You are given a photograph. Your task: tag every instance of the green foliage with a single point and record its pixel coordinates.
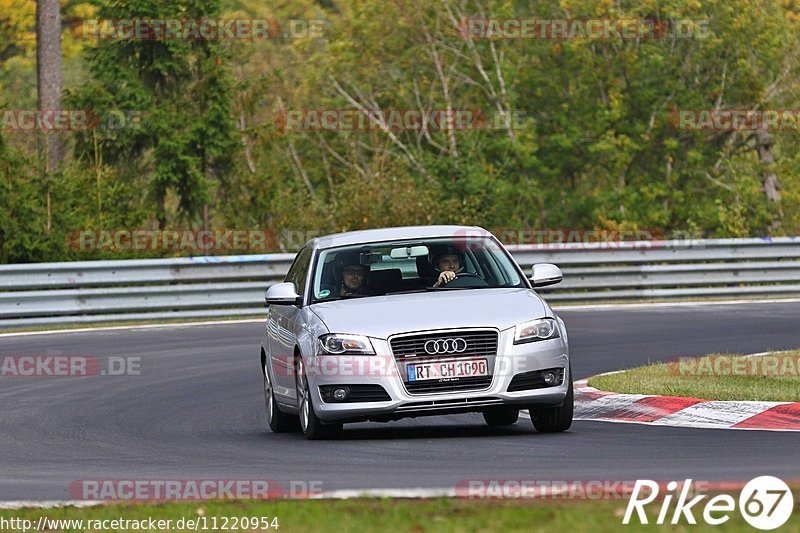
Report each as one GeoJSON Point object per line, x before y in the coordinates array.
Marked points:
{"type": "Point", "coordinates": [182, 91]}
{"type": "Point", "coordinates": [578, 133]}
{"type": "Point", "coordinates": [22, 213]}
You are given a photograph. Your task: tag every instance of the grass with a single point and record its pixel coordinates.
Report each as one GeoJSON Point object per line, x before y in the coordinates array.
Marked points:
{"type": "Point", "coordinates": [403, 515]}
{"type": "Point", "coordinates": [775, 378]}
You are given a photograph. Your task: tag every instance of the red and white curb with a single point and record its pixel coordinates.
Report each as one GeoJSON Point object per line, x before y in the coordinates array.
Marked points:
{"type": "Point", "coordinates": [594, 404]}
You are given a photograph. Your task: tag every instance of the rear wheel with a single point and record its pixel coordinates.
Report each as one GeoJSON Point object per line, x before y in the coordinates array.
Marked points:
{"type": "Point", "coordinates": [501, 417]}
{"type": "Point", "coordinates": [554, 419]}
{"type": "Point", "coordinates": [279, 422]}
{"type": "Point", "coordinates": [311, 426]}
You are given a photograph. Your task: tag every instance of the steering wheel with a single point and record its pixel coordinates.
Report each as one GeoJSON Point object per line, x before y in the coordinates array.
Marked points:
{"type": "Point", "coordinates": [354, 295]}
{"type": "Point", "coordinates": [468, 279]}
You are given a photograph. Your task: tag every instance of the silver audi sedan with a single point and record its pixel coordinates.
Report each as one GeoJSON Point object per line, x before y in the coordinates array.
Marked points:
{"type": "Point", "coordinates": [403, 322]}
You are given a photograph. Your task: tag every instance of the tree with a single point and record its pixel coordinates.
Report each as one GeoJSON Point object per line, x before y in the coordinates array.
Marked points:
{"type": "Point", "coordinates": [181, 89]}
{"type": "Point", "coordinates": [48, 75]}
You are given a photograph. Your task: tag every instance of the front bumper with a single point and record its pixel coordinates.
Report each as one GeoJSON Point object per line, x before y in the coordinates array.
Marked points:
{"type": "Point", "coordinates": [512, 359]}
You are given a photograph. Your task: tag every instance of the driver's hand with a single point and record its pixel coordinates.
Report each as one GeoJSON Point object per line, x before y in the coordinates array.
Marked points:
{"type": "Point", "coordinates": [445, 277]}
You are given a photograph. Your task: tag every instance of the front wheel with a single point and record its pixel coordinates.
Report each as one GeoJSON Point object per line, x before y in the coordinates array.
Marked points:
{"type": "Point", "coordinates": [279, 422]}
{"type": "Point", "coordinates": [554, 419]}
{"type": "Point", "coordinates": [312, 427]}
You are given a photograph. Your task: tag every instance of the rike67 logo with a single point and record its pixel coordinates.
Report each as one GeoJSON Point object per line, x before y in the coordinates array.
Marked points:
{"type": "Point", "coordinates": [765, 503]}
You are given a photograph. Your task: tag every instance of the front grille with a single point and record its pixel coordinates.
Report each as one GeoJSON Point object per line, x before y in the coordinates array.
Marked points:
{"type": "Point", "coordinates": [358, 393]}
{"type": "Point", "coordinates": [410, 348]}
{"type": "Point", "coordinates": [479, 343]}
{"type": "Point", "coordinates": [533, 380]}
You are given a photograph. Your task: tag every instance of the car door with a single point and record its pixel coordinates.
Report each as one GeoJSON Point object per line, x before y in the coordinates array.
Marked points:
{"type": "Point", "coordinates": [282, 329]}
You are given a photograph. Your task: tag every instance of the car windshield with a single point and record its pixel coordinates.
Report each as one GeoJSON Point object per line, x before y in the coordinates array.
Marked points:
{"type": "Point", "coordinates": [378, 269]}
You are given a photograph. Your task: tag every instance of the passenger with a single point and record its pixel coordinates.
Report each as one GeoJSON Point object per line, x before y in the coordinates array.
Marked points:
{"type": "Point", "coordinates": [353, 279]}
{"type": "Point", "coordinates": [448, 262]}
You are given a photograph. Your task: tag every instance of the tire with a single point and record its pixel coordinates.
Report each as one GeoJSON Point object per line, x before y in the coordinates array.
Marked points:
{"type": "Point", "coordinates": [554, 419]}
{"type": "Point", "coordinates": [279, 422]}
{"type": "Point", "coordinates": [311, 426]}
{"type": "Point", "coordinates": [504, 416]}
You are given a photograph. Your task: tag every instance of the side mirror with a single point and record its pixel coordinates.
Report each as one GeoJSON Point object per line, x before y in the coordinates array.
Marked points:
{"type": "Point", "coordinates": [282, 294]}
{"type": "Point", "coordinates": [545, 274]}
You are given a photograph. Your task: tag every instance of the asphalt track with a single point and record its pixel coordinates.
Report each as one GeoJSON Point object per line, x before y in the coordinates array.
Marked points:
{"type": "Point", "coordinates": [196, 412]}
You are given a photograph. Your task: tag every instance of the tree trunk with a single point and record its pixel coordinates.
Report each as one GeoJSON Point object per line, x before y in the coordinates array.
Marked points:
{"type": "Point", "coordinates": [48, 75]}
{"type": "Point", "coordinates": [771, 184]}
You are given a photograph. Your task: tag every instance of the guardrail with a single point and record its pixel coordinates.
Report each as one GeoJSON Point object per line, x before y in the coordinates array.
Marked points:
{"type": "Point", "coordinates": [201, 287]}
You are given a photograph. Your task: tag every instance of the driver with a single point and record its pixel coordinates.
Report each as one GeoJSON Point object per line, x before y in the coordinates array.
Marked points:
{"type": "Point", "coordinates": [448, 262]}
{"type": "Point", "coordinates": [352, 276]}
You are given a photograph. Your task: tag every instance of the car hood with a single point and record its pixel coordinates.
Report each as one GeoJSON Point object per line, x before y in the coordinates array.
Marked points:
{"type": "Point", "coordinates": [382, 316]}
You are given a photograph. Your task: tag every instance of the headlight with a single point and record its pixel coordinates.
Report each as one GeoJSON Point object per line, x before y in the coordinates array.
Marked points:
{"type": "Point", "coordinates": [340, 344]}
{"type": "Point", "coordinates": [536, 330]}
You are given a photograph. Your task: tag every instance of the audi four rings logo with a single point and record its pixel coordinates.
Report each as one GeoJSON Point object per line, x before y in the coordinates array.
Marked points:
{"type": "Point", "coordinates": [445, 346]}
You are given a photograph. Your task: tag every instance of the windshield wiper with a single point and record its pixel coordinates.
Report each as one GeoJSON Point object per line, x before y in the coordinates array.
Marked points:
{"type": "Point", "coordinates": [445, 288]}
{"type": "Point", "coordinates": [433, 289]}
{"type": "Point", "coordinates": [410, 291]}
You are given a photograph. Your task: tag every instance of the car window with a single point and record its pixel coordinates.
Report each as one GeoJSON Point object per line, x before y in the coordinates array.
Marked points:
{"type": "Point", "coordinates": [485, 265]}
{"type": "Point", "coordinates": [298, 272]}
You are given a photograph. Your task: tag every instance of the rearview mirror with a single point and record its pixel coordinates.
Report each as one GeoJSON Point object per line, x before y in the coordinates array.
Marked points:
{"type": "Point", "coordinates": [408, 252]}
{"type": "Point", "coordinates": [545, 274]}
{"type": "Point", "coordinates": [282, 294]}
{"type": "Point", "coordinates": [369, 258]}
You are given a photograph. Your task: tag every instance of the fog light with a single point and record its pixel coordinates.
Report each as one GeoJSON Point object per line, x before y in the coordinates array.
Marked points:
{"type": "Point", "coordinates": [341, 394]}
{"type": "Point", "coordinates": [549, 377]}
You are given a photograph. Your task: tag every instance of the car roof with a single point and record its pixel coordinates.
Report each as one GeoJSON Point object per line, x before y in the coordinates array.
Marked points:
{"type": "Point", "coordinates": [404, 233]}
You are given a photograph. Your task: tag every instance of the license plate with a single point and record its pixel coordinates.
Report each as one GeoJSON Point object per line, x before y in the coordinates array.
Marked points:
{"type": "Point", "coordinates": [465, 368]}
